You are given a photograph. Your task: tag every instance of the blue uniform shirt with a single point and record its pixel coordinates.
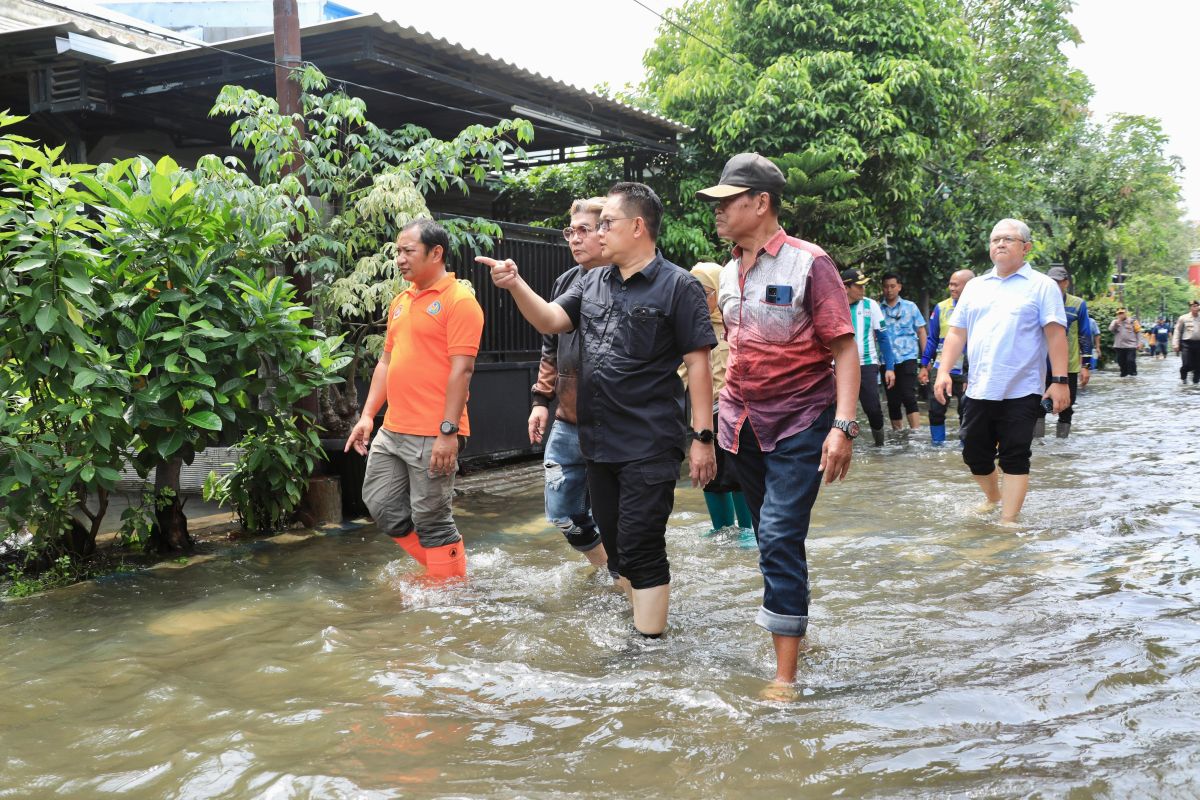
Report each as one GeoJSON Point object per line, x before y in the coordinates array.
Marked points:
{"type": "Point", "coordinates": [903, 321]}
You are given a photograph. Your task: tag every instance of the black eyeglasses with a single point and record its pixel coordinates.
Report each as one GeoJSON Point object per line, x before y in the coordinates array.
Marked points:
{"type": "Point", "coordinates": [606, 224]}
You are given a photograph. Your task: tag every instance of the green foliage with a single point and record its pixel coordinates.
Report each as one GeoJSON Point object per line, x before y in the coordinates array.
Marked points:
{"type": "Point", "coordinates": [138, 519]}
{"type": "Point", "coordinates": [1113, 185]}
{"type": "Point", "coordinates": [368, 183]}
{"type": "Point", "coordinates": [906, 129]}
{"type": "Point", "coordinates": [863, 93]}
{"type": "Point", "coordinates": [61, 572]}
{"type": "Point", "coordinates": [266, 484]}
{"type": "Point", "coordinates": [62, 389]}
{"type": "Point", "coordinates": [1148, 296]}
{"type": "Point", "coordinates": [205, 326]}
{"type": "Point", "coordinates": [140, 319]}
{"type": "Point", "coordinates": [1103, 310]}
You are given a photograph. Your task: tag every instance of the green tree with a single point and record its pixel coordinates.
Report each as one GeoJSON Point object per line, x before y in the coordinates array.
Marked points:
{"type": "Point", "coordinates": [213, 341]}
{"type": "Point", "coordinates": [1148, 296]}
{"type": "Point", "coordinates": [1109, 180]}
{"type": "Point", "coordinates": [874, 89]}
{"type": "Point", "coordinates": [368, 183]}
{"type": "Point", "coordinates": [1029, 99]}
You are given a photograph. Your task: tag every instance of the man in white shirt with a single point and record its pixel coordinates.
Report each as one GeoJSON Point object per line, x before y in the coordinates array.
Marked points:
{"type": "Point", "coordinates": [1011, 318]}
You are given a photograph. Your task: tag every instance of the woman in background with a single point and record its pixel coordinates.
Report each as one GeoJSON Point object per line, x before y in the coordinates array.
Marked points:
{"type": "Point", "coordinates": [724, 498]}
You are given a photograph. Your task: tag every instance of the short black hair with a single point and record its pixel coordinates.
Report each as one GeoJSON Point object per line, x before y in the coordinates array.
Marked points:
{"type": "Point", "coordinates": [432, 235]}
{"type": "Point", "coordinates": [891, 276]}
{"type": "Point", "coordinates": [774, 201]}
{"type": "Point", "coordinates": [641, 201]}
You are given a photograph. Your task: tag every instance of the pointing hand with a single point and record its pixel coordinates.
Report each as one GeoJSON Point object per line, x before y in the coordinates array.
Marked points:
{"type": "Point", "coordinates": [504, 273]}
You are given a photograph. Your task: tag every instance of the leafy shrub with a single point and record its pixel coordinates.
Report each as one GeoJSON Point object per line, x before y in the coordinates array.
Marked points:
{"type": "Point", "coordinates": [267, 483]}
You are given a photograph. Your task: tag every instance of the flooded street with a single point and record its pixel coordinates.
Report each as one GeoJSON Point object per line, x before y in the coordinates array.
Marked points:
{"type": "Point", "coordinates": [950, 657]}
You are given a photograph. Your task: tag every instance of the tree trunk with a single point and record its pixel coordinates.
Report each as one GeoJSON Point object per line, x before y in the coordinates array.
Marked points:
{"type": "Point", "coordinates": [170, 531]}
{"type": "Point", "coordinates": [322, 503]}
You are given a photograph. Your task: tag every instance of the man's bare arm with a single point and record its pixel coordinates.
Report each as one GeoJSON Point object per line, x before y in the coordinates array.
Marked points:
{"type": "Point", "coordinates": [1056, 344]}
{"type": "Point", "coordinates": [457, 386]}
{"type": "Point", "coordinates": [360, 436]}
{"type": "Point", "coordinates": [701, 457]}
{"type": "Point", "coordinates": [838, 448]}
{"type": "Point", "coordinates": [952, 348]}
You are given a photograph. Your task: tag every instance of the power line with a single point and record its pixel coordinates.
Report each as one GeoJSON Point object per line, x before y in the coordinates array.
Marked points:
{"type": "Point", "coordinates": [271, 63]}
{"type": "Point", "coordinates": [684, 29]}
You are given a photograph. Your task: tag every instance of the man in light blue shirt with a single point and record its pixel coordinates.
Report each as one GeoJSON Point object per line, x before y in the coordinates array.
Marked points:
{"type": "Point", "coordinates": [1010, 318]}
{"type": "Point", "coordinates": [906, 326]}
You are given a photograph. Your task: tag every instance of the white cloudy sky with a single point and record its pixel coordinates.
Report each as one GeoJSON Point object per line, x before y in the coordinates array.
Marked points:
{"type": "Point", "coordinates": [1138, 55]}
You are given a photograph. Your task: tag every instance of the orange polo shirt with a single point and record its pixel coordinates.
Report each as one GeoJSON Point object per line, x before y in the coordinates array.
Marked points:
{"type": "Point", "coordinates": [424, 329]}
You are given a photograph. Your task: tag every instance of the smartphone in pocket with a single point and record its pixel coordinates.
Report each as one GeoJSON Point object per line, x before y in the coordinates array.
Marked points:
{"type": "Point", "coordinates": [779, 294]}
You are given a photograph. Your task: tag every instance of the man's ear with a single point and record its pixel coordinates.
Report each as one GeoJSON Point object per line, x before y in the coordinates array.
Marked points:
{"type": "Point", "coordinates": [437, 253]}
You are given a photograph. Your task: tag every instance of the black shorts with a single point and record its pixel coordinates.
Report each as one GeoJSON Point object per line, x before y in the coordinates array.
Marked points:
{"type": "Point", "coordinates": [631, 503]}
{"type": "Point", "coordinates": [999, 430]}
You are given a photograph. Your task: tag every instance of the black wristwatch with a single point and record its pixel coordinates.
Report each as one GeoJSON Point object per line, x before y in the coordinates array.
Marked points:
{"type": "Point", "coordinates": [1059, 379]}
{"type": "Point", "coordinates": [703, 437]}
{"type": "Point", "coordinates": [448, 428]}
{"type": "Point", "coordinates": [847, 426]}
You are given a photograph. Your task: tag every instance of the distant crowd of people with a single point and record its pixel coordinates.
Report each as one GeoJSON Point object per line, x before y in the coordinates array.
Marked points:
{"type": "Point", "coordinates": [776, 349]}
{"type": "Point", "coordinates": [1130, 338]}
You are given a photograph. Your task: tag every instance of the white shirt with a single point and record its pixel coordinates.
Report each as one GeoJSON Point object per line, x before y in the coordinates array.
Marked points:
{"type": "Point", "coordinates": [1006, 344]}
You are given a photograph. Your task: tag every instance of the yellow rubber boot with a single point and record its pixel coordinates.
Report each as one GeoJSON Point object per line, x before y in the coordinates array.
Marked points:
{"type": "Point", "coordinates": [447, 561]}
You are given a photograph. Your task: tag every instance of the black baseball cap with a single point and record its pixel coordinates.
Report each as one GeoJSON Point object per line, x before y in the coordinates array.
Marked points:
{"type": "Point", "coordinates": [744, 172]}
{"type": "Point", "coordinates": [855, 276]}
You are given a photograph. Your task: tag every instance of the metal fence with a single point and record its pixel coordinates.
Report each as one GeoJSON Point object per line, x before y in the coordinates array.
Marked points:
{"type": "Point", "coordinates": [542, 255]}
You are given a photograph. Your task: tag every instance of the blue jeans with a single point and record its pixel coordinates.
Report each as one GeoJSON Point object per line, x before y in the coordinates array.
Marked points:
{"type": "Point", "coordinates": [566, 487]}
{"type": "Point", "coordinates": [781, 487]}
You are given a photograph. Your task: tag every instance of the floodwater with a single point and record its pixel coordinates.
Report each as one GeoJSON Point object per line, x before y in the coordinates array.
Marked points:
{"type": "Point", "coordinates": [950, 657]}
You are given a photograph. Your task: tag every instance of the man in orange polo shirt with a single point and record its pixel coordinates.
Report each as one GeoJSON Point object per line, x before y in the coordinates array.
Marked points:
{"type": "Point", "coordinates": [433, 333]}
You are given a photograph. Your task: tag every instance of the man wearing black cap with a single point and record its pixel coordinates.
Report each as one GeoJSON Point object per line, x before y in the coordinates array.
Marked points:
{"type": "Point", "coordinates": [786, 413]}
{"type": "Point", "coordinates": [1079, 353]}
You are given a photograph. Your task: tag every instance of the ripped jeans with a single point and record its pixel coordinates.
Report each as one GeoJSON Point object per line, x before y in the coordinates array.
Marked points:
{"type": "Point", "coordinates": [567, 504]}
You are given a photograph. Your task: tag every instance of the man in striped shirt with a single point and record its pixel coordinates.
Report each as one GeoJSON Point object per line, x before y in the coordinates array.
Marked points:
{"type": "Point", "coordinates": [874, 348]}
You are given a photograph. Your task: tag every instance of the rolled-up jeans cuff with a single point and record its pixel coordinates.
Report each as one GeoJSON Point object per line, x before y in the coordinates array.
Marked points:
{"type": "Point", "coordinates": [782, 624]}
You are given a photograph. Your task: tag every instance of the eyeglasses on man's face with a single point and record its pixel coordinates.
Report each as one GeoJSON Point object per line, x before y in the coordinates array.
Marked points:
{"type": "Point", "coordinates": [582, 231]}
{"type": "Point", "coordinates": [1005, 239]}
{"type": "Point", "coordinates": [606, 224]}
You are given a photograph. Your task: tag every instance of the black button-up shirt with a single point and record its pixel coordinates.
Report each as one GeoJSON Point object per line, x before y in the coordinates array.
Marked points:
{"type": "Point", "coordinates": [634, 334]}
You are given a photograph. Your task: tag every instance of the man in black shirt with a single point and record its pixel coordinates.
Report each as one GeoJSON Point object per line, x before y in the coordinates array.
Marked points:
{"type": "Point", "coordinates": [638, 318]}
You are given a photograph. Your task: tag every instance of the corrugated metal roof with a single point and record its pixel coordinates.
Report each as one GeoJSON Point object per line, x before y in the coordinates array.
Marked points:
{"type": "Point", "coordinates": [443, 46]}
{"type": "Point", "coordinates": [95, 21]}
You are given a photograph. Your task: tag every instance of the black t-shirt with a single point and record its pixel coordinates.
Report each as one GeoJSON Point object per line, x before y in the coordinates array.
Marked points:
{"type": "Point", "coordinates": [635, 333]}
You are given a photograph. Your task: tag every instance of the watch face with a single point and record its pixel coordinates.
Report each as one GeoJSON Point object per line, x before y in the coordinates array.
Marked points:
{"type": "Point", "coordinates": [853, 429]}
{"type": "Point", "coordinates": [449, 428]}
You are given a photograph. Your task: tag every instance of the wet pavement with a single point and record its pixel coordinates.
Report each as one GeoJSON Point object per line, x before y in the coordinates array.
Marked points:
{"type": "Point", "coordinates": [950, 657]}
